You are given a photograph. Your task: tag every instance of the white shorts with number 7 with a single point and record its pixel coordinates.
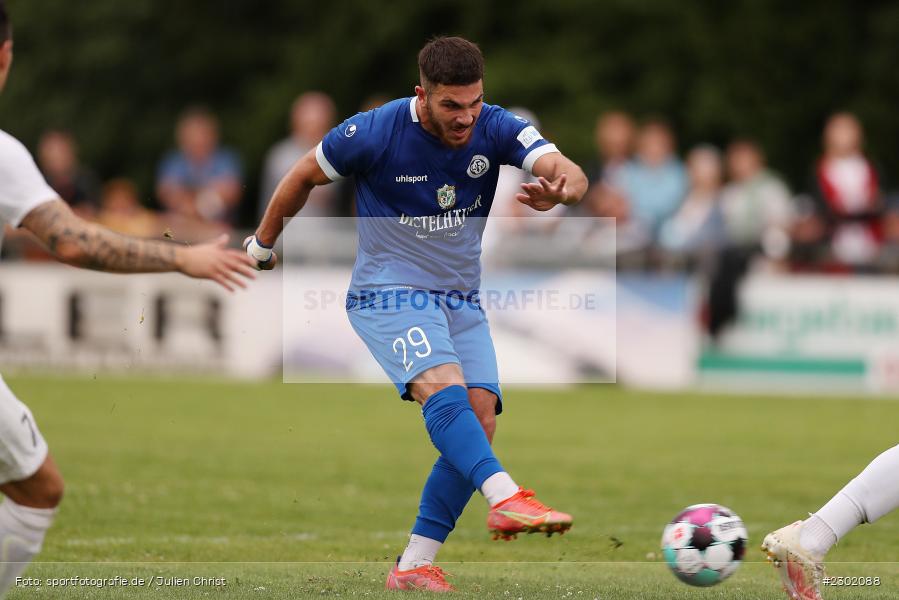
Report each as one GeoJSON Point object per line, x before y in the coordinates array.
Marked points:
{"type": "Point", "coordinates": [22, 447]}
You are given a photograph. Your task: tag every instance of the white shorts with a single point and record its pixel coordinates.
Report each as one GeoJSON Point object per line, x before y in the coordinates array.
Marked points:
{"type": "Point", "coordinates": [22, 447]}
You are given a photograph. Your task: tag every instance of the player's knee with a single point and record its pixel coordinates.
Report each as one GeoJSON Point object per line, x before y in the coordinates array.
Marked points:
{"type": "Point", "coordinates": [53, 490]}
{"type": "Point", "coordinates": [44, 489]}
{"type": "Point", "coordinates": [434, 380]}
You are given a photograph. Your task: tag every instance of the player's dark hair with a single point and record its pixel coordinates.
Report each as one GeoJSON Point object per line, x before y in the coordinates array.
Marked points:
{"type": "Point", "coordinates": [5, 25]}
{"type": "Point", "coordinates": [450, 61]}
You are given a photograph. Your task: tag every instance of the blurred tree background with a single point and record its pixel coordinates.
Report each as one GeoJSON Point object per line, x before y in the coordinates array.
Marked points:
{"type": "Point", "coordinates": [118, 73]}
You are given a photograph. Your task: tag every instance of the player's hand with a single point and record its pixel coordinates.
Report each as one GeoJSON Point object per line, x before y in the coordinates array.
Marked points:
{"type": "Point", "coordinates": [544, 195]}
{"type": "Point", "coordinates": [255, 254]}
{"type": "Point", "coordinates": [215, 261]}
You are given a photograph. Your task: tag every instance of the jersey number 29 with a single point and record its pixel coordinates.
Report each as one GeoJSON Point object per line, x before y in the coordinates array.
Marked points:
{"type": "Point", "coordinates": [419, 340]}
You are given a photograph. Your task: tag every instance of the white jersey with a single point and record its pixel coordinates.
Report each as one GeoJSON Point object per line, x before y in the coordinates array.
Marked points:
{"type": "Point", "coordinates": [22, 187]}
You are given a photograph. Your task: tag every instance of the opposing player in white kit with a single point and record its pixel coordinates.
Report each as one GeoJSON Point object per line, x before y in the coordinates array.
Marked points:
{"type": "Point", "coordinates": [29, 479]}
{"type": "Point", "coordinates": [798, 550]}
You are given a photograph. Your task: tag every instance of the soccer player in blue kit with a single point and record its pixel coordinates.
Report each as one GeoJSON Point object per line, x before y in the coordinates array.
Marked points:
{"type": "Point", "coordinates": [426, 170]}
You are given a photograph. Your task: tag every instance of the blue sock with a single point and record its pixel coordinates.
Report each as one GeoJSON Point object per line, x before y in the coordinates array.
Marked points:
{"type": "Point", "coordinates": [443, 499]}
{"type": "Point", "coordinates": [457, 433]}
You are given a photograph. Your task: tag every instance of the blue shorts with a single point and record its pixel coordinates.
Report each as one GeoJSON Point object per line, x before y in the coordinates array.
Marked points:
{"type": "Point", "coordinates": [410, 331]}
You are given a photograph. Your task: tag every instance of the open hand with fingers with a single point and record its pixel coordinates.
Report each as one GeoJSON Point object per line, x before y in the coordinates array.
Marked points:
{"type": "Point", "coordinates": [544, 195]}
{"type": "Point", "coordinates": [215, 261]}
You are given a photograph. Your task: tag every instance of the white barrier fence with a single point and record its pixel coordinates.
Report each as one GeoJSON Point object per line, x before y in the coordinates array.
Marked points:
{"type": "Point", "coordinates": [60, 318]}
{"type": "Point", "coordinates": [827, 333]}
{"type": "Point", "coordinates": [63, 319]}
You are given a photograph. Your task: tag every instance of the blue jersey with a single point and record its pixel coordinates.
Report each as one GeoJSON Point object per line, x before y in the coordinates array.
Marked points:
{"type": "Point", "coordinates": [422, 204]}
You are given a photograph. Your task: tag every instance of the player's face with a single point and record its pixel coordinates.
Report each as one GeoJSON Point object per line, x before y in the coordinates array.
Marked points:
{"type": "Point", "coordinates": [5, 62]}
{"type": "Point", "coordinates": [453, 110]}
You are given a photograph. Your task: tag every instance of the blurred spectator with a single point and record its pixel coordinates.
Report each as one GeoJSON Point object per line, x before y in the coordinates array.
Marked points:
{"type": "Point", "coordinates": [756, 203]}
{"type": "Point", "coordinates": [200, 180]}
{"type": "Point", "coordinates": [808, 236]}
{"type": "Point", "coordinates": [654, 181]}
{"type": "Point", "coordinates": [122, 211]}
{"type": "Point", "coordinates": [614, 138]}
{"type": "Point", "coordinates": [888, 261]}
{"type": "Point", "coordinates": [847, 190]}
{"type": "Point", "coordinates": [311, 117]}
{"type": "Point", "coordinates": [758, 215]}
{"type": "Point", "coordinates": [58, 159]}
{"type": "Point", "coordinates": [697, 226]}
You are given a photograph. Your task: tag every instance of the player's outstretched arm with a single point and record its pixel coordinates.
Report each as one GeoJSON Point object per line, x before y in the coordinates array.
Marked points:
{"type": "Point", "coordinates": [559, 181]}
{"type": "Point", "coordinates": [79, 243]}
{"type": "Point", "coordinates": [289, 197]}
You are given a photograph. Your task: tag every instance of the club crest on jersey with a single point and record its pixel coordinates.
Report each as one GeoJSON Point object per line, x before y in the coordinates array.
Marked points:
{"type": "Point", "coordinates": [478, 166]}
{"type": "Point", "coordinates": [446, 196]}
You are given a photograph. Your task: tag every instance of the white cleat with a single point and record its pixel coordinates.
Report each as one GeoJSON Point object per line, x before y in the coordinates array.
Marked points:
{"type": "Point", "coordinates": [800, 571]}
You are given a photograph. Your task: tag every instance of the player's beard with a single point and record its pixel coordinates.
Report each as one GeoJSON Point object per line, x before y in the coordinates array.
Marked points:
{"type": "Point", "coordinates": [443, 132]}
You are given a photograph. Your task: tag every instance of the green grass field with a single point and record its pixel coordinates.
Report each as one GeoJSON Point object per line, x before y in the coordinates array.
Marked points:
{"type": "Point", "coordinates": [290, 491]}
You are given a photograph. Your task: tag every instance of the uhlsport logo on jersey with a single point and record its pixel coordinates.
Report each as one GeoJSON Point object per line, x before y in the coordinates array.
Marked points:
{"type": "Point", "coordinates": [478, 166]}
{"type": "Point", "coordinates": [446, 196]}
{"type": "Point", "coordinates": [350, 130]}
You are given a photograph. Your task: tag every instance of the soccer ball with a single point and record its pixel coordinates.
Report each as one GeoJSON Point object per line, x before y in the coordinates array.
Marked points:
{"type": "Point", "coordinates": [704, 544]}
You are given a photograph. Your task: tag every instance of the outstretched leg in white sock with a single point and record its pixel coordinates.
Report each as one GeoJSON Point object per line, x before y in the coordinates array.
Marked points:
{"type": "Point", "coordinates": [871, 495]}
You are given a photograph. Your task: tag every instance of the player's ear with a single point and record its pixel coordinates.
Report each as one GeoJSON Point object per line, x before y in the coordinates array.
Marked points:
{"type": "Point", "coordinates": [421, 93]}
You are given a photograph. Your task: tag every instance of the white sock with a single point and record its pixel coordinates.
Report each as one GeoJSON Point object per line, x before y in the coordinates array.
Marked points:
{"type": "Point", "coordinates": [498, 487]}
{"type": "Point", "coordinates": [816, 536]}
{"type": "Point", "coordinates": [871, 495]}
{"type": "Point", "coordinates": [22, 532]}
{"type": "Point", "coordinates": [420, 551]}
{"type": "Point", "coordinates": [876, 489]}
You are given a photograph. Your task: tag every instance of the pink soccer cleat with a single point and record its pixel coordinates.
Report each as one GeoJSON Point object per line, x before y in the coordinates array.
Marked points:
{"type": "Point", "coordinates": [425, 579]}
{"type": "Point", "coordinates": [523, 513]}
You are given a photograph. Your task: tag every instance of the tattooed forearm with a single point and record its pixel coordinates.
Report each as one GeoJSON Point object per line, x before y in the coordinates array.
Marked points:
{"type": "Point", "coordinates": [83, 244]}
